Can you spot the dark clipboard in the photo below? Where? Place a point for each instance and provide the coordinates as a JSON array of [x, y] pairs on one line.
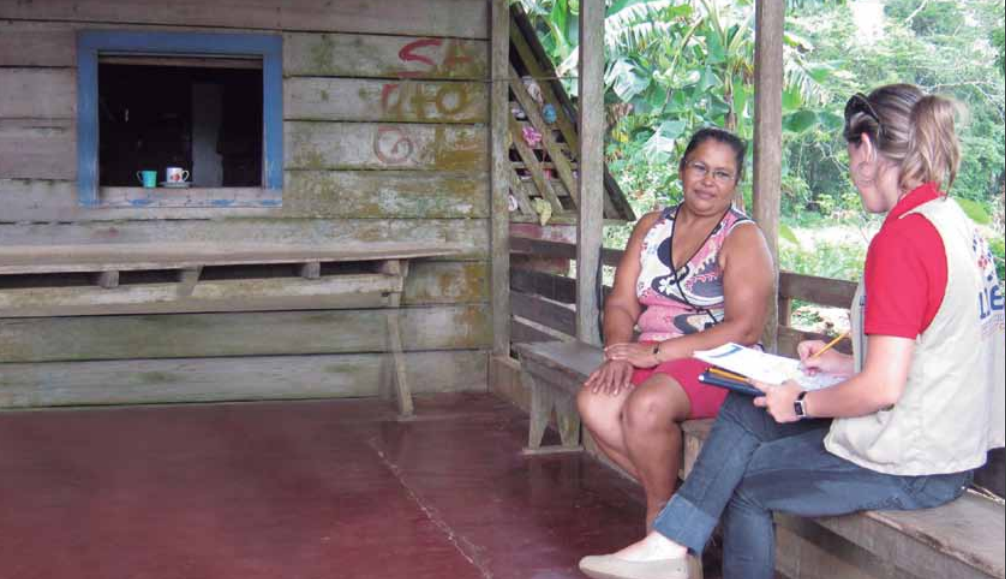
[[737, 386]]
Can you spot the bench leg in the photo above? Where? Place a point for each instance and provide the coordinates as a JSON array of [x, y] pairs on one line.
[[541, 408], [401, 389], [544, 399], [569, 420]]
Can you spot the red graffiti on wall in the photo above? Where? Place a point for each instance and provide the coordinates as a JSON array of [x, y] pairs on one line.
[[393, 144]]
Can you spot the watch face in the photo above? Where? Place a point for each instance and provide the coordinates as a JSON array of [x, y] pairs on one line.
[[798, 407]]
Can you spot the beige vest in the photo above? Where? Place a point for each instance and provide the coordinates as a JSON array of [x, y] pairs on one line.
[[953, 410]]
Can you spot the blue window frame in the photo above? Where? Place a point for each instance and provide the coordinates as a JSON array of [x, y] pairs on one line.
[[90, 44]]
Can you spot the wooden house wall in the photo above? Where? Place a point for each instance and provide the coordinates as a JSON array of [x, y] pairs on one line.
[[385, 112]]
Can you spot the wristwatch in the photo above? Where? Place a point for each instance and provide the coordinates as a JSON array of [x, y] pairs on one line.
[[800, 406]]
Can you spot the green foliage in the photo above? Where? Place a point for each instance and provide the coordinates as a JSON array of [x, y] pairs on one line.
[[678, 65], [998, 250], [824, 259], [975, 211], [999, 42]]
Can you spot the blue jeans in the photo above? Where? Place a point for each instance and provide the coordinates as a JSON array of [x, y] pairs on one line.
[[752, 466]]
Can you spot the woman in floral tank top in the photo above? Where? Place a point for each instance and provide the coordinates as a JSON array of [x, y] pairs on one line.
[[715, 292]]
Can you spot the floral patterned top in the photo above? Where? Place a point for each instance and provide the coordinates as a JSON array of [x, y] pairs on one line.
[[667, 313]]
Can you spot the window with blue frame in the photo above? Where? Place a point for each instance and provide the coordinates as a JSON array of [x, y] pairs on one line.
[[163, 111]]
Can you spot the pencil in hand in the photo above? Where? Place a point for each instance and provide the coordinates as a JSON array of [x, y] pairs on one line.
[[828, 346]]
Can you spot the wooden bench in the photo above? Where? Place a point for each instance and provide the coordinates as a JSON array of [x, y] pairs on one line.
[[962, 540], [120, 279]]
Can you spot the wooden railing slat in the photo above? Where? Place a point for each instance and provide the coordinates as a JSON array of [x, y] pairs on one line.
[[554, 287], [545, 313], [817, 290], [558, 249]]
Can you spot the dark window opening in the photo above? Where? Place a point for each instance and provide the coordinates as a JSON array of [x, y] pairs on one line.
[[206, 119]]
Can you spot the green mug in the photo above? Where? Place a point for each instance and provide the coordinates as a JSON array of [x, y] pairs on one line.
[[147, 178]]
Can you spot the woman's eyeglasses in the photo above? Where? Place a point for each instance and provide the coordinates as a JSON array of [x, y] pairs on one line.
[[700, 170], [860, 104]]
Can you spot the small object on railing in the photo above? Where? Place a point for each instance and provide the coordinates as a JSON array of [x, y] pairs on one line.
[[531, 136], [548, 113], [533, 90], [544, 211]]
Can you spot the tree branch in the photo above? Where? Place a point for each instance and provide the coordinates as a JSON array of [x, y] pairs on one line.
[[908, 21]]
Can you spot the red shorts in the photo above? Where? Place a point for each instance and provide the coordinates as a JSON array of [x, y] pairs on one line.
[[706, 400]]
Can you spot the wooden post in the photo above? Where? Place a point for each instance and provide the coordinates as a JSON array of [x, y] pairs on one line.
[[590, 225], [770, 23], [500, 234]]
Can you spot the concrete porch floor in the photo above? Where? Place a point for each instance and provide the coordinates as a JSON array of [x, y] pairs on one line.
[[301, 490]]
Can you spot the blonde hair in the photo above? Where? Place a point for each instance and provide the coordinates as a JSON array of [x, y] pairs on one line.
[[913, 129]]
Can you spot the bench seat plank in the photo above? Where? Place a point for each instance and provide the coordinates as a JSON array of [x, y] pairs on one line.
[[132, 257], [573, 360]]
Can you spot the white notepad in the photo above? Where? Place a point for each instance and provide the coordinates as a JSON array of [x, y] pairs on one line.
[[764, 367]]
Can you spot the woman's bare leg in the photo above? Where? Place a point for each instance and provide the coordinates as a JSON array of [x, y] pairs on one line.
[[653, 439], [602, 416]]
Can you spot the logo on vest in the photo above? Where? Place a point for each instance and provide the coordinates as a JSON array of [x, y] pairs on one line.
[[990, 299]]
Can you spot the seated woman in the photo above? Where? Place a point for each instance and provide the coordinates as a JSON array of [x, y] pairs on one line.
[[693, 277], [926, 363]]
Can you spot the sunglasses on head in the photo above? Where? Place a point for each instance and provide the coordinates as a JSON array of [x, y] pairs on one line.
[[860, 104]]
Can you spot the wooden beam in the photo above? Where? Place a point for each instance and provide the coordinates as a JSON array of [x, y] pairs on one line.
[[187, 280], [590, 228], [310, 270], [107, 279], [770, 24], [501, 175]]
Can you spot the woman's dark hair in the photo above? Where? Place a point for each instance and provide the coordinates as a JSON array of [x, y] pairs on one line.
[[911, 128], [721, 136]]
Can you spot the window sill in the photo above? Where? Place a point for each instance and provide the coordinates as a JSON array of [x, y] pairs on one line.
[[193, 197]]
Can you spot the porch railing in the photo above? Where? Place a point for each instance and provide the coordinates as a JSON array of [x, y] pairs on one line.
[[543, 302]]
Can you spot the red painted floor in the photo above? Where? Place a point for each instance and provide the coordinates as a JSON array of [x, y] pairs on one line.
[[299, 490]]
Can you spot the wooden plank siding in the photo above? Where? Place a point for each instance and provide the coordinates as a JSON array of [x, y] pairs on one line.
[[390, 147], [462, 327], [220, 379], [470, 235], [38, 149], [395, 57], [38, 93], [448, 18], [386, 139], [406, 101], [307, 195]]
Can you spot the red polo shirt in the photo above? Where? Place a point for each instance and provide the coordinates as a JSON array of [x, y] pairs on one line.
[[906, 271]]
